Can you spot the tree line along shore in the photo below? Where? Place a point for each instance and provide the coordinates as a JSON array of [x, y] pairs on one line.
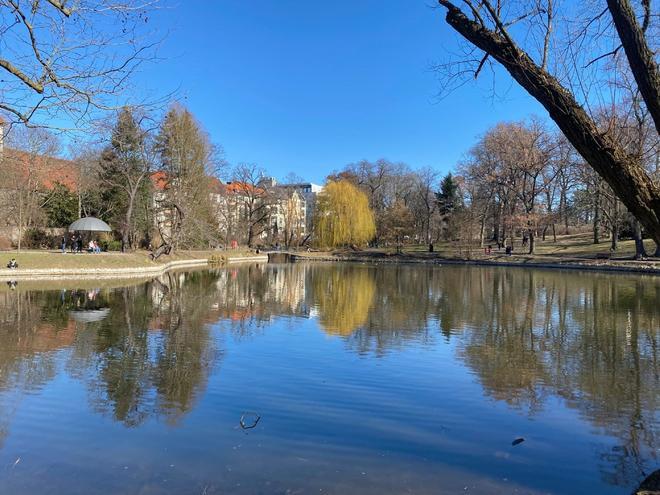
[[571, 252]]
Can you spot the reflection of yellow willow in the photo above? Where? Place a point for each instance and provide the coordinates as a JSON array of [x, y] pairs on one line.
[[343, 298]]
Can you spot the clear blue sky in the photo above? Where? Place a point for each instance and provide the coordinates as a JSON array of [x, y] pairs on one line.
[[307, 87]]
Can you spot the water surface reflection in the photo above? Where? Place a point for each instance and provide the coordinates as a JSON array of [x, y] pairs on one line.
[[370, 379]]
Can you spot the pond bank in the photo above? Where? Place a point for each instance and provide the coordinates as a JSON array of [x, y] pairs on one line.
[[629, 266], [40, 265], [44, 265]]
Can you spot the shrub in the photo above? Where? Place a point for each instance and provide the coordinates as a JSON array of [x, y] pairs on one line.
[[110, 245], [217, 259], [39, 239]]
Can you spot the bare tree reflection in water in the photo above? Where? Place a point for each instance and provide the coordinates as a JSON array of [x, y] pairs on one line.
[[529, 336], [154, 353], [185, 350], [150, 355], [595, 347]]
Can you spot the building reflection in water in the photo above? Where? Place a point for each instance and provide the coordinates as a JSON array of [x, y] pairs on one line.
[[590, 340]]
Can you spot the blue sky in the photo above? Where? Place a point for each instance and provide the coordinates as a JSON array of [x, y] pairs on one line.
[[307, 87]]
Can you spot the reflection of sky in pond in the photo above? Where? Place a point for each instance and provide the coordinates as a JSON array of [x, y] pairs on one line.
[[421, 388]]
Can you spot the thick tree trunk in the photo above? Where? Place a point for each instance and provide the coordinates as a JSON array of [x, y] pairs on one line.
[[622, 172], [563, 210], [615, 237], [126, 231], [497, 220], [250, 236], [615, 226], [532, 241], [20, 223], [640, 252], [640, 56], [597, 215]]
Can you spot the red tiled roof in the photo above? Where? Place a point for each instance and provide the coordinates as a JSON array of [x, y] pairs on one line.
[[160, 182], [242, 188], [47, 169]]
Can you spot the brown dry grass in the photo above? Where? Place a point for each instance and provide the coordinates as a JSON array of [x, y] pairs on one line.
[[34, 259]]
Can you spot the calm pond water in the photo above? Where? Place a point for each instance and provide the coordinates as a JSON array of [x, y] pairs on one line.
[[367, 380]]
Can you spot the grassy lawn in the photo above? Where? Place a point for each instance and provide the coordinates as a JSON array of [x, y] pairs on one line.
[[55, 259], [578, 246], [582, 246]]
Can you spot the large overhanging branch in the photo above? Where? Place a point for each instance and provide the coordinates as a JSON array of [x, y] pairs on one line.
[[621, 171], [640, 56]]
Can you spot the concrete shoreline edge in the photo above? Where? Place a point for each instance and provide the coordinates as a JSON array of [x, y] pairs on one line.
[[154, 271], [122, 273], [568, 265]]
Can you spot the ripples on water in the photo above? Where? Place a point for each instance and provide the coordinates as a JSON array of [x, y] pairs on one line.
[[389, 379]]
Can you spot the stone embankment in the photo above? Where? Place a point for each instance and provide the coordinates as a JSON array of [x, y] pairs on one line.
[[629, 266], [123, 272]]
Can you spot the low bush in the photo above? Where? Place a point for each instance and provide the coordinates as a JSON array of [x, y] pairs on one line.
[[39, 239], [110, 245]]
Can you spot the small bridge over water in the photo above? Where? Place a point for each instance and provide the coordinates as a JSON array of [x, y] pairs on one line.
[[279, 256]]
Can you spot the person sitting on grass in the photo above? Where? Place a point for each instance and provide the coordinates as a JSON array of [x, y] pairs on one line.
[[97, 248], [12, 265]]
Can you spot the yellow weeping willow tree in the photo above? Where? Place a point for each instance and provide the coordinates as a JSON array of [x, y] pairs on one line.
[[343, 216]]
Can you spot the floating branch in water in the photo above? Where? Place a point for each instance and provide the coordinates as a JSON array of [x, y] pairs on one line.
[[249, 420]]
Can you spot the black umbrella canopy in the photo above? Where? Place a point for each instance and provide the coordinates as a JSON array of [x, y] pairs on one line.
[[89, 224]]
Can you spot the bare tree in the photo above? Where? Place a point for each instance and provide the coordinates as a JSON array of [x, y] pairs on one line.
[[490, 29], [24, 170], [253, 199], [290, 206], [65, 60], [188, 163], [424, 201], [86, 159]]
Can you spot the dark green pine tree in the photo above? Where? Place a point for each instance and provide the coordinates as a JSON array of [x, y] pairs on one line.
[[61, 206], [124, 181], [449, 197]]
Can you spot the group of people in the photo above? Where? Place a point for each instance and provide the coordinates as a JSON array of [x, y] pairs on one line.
[[75, 244], [93, 247]]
